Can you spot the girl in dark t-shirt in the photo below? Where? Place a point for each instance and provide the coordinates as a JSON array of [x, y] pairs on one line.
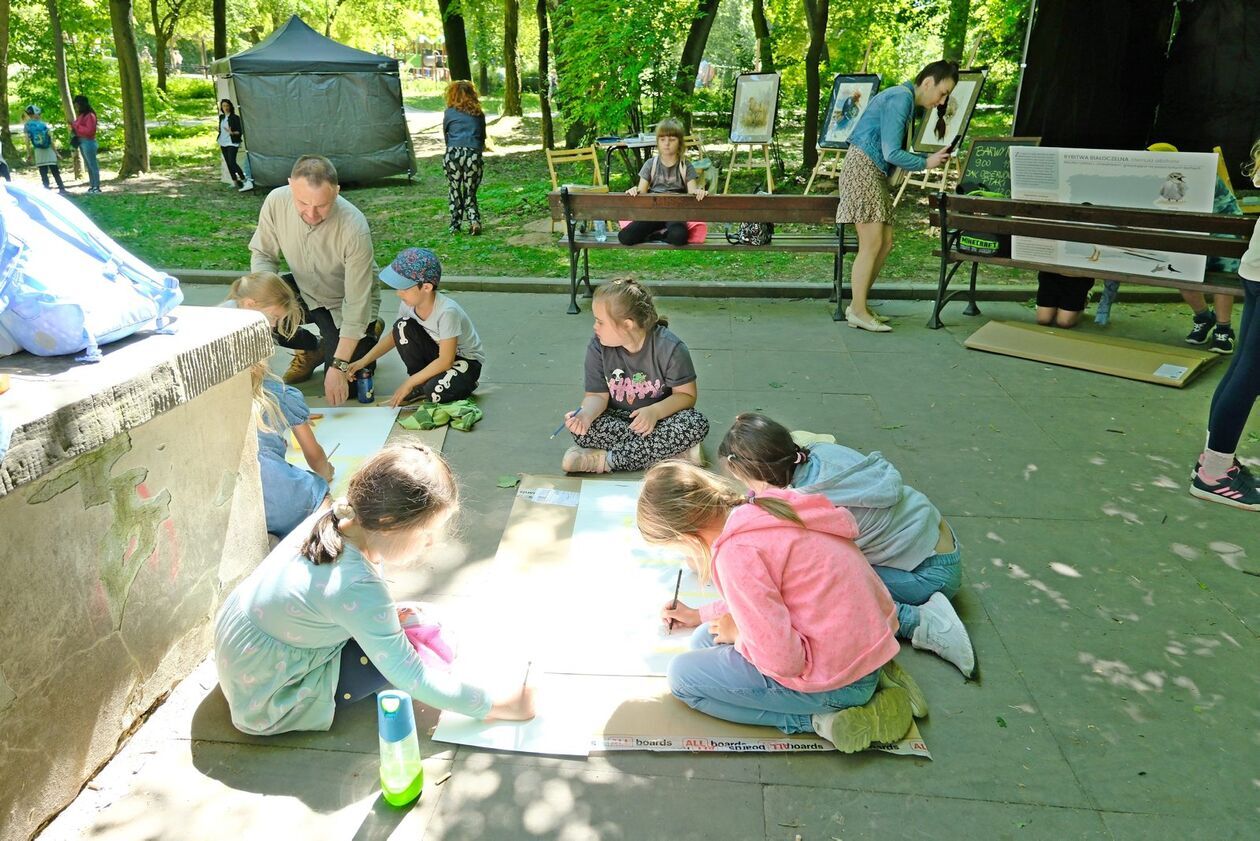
[[640, 389], [668, 171]]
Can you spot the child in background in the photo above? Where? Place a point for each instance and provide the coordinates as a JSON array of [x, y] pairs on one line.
[[315, 629], [803, 638], [913, 551], [464, 129], [290, 494], [267, 293], [434, 336], [43, 152], [668, 171], [1220, 477], [640, 388]]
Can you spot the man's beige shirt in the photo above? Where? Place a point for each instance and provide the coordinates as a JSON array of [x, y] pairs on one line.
[[332, 262]]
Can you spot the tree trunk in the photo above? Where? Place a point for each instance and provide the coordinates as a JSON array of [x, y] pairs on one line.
[[219, 12], [956, 29], [544, 75], [456, 42], [816, 17], [135, 139], [693, 51], [63, 81], [159, 60], [511, 72], [762, 30], [7, 149]]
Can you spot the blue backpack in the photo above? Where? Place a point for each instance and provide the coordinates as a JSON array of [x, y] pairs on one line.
[[66, 287], [37, 130]]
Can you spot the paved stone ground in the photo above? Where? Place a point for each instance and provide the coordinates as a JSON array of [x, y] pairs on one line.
[[1113, 614]]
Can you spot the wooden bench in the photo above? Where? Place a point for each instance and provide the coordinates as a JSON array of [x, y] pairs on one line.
[[573, 208], [1210, 234]]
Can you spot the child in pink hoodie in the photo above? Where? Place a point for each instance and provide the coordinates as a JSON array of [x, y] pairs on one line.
[[805, 634]]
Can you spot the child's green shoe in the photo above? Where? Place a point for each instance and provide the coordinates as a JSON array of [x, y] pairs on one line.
[[893, 675], [883, 719]]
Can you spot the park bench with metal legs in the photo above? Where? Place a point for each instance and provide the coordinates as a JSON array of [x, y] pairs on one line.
[[1213, 235], [575, 208]]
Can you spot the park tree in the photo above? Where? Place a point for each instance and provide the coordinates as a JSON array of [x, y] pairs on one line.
[[165, 16], [135, 135], [511, 70], [7, 149], [59, 63], [816, 17], [692, 53], [456, 39], [219, 14], [761, 28], [544, 75], [955, 38]]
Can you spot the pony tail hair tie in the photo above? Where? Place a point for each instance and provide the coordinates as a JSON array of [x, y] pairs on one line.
[[342, 510], [751, 496], [801, 456]]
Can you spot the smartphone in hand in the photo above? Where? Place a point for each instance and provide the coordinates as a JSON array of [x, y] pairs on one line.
[[953, 144]]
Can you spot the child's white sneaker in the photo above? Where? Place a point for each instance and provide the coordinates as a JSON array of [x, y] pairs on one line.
[[585, 460], [883, 719], [943, 633], [247, 186]]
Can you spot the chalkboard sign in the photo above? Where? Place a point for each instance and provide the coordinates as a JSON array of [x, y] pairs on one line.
[[988, 164]]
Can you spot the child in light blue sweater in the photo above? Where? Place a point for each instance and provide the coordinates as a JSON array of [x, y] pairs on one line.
[[314, 627], [913, 551]]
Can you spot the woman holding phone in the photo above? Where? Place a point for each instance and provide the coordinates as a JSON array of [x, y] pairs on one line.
[[877, 147]]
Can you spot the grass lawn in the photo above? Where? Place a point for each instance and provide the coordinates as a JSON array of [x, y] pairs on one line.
[[182, 216]]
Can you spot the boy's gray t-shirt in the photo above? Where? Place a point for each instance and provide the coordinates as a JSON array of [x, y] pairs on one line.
[[449, 321], [666, 179], [635, 380]]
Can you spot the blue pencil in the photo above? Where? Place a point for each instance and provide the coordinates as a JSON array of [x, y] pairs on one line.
[[560, 428]]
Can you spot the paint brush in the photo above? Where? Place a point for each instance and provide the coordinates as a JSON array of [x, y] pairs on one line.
[[333, 451], [674, 603], [560, 428]]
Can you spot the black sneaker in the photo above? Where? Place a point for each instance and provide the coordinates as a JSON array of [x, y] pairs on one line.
[[1233, 490], [1222, 339], [1242, 469], [1201, 330]]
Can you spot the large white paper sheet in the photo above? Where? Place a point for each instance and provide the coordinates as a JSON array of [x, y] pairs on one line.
[[1176, 181], [355, 432]]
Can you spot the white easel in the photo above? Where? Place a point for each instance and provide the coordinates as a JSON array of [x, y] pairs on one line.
[[764, 163]]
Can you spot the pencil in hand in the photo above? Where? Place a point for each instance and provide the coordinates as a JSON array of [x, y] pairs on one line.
[[560, 428], [674, 603]]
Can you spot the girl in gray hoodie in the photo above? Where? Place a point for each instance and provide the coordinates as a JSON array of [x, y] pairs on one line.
[[913, 551]]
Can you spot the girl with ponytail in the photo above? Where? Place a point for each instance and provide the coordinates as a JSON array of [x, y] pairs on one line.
[[902, 534], [803, 636], [314, 627]]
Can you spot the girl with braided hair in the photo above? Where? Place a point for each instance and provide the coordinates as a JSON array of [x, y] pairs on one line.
[[803, 636], [912, 549], [314, 627]]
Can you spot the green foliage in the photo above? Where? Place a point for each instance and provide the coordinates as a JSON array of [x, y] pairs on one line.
[[617, 70]]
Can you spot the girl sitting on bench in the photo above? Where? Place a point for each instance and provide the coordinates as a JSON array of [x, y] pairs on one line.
[[668, 171]]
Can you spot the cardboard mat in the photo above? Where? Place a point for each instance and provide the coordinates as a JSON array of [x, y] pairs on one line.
[[1131, 359], [597, 650]]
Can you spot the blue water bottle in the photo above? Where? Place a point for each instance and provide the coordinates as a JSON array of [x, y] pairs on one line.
[[364, 388], [402, 775]]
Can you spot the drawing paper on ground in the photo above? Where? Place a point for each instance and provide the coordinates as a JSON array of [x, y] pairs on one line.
[[356, 432], [582, 593]]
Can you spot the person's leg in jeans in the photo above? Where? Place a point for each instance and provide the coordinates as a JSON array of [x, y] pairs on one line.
[[717, 680], [358, 677], [910, 588], [88, 149]]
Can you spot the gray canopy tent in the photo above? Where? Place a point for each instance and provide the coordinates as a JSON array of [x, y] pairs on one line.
[[300, 93]]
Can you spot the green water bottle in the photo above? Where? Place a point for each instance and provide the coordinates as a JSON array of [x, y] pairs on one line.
[[402, 775]]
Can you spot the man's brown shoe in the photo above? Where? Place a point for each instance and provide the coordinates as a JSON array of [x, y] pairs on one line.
[[303, 365]]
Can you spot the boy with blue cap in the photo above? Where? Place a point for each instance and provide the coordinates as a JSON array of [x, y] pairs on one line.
[[435, 337]]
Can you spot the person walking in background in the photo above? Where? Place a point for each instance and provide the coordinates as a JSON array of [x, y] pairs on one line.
[[43, 152], [230, 133], [877, 147], [83, 137], [464, 127]]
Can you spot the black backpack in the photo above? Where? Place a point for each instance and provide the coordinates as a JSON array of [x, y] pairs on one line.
[[751, 233]]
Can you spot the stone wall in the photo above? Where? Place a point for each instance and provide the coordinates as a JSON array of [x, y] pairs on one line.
[[130, 505]]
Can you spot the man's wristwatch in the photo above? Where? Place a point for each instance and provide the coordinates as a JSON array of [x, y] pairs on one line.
[[342, 365]]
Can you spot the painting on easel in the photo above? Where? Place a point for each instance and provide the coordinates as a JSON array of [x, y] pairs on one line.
[[939, 128], [756, 106], [850, 96]]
